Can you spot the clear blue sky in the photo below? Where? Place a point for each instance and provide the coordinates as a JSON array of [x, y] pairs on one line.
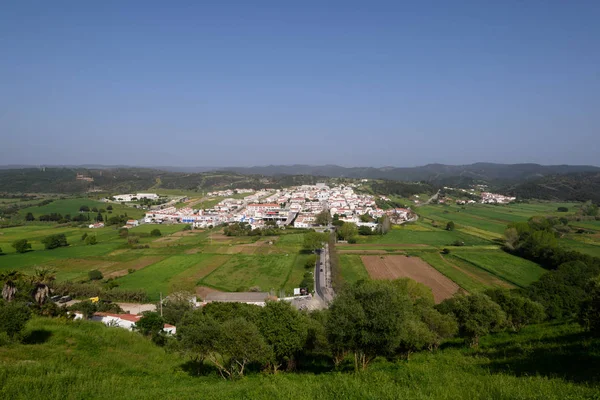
[[246, 83]]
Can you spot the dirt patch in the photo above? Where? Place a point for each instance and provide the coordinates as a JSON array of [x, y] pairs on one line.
[[203, 291], [382, 245], [393, 267], [194, 250], [117, 252], [363, 252], [136, 265], [187, 233]]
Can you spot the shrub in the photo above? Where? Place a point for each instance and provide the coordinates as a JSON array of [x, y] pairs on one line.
[[85, 235], [55, 241], [450, 226], [445, 251], [458, 243], [562, 209], [91, 240], [95, 275], [21, 245], [520, 311], [155, 232], [13, 318], [187, 228]]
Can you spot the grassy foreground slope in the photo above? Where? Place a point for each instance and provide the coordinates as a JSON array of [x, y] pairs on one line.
[[67, 360]]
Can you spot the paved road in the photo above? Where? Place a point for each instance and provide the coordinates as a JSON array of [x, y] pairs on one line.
[[323, 288]]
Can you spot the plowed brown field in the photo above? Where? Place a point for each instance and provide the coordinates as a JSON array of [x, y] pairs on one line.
[[393, 267]]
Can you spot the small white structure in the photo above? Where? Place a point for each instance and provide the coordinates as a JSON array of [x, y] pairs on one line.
[[126, 321], [133, 222], [96, 225]]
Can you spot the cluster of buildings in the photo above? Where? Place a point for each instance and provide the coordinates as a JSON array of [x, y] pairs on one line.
[[493, 198], [296, 206], [138, 196]]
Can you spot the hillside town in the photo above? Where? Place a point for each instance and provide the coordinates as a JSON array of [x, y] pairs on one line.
[[296, 206]]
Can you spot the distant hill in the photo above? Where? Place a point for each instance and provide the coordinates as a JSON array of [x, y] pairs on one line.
[[568, 187], [430, 172]]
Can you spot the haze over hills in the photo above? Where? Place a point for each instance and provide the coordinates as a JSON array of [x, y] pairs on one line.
[[430, 172]]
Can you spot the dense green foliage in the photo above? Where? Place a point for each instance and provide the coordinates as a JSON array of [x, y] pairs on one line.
[[55, 241], [13, 318]]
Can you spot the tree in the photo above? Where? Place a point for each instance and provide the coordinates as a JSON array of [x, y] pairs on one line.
[[94, 209], [84, 208], [347, 231], [365, 230], [1, 253], [323, 218], [13, 318], [91, 240], [85, 235], [29, 217], [367, 319], [155, 232], [86, 307], [55, 241], [520, 311], [450, 226], [99, 218], [476, 314], [151, 324], [284, 330], [9, 289], [41, 279], [562, 209], [241, 343], [198, 335], [589, 209], [589, 311], [110, 207], [95, 275], [384, 224], [21, 245], [313, 241]]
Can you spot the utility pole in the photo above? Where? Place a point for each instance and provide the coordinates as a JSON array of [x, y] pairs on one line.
[[161, 313]]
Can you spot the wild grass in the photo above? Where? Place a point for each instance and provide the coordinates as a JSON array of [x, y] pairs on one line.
[[352, 268], [85, 360]]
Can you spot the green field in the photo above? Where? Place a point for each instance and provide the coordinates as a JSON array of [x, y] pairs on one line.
[[71, 206], [434, 237], [352, 268], [515, 270], [86, 360]]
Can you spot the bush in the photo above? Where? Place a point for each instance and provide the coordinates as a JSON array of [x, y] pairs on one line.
[[55, 241], [85, 235], [562, 209], [450, 226], [13, 318], [95, 275], [187, 228], [21, 245], [458, 243], [445, 251], [91, 240], [155, 232], [352, 240]]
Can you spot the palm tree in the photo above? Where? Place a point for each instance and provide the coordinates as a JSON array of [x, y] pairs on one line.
[[41, 279], [9, 290]]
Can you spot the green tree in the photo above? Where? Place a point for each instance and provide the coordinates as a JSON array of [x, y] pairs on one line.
[[84, 208], [85, 235], [54, 241], [21, 245], [198, 335], [385, 224], [99, 218], [284, 329], [347, 231], [365, 230], [450, 226], [9, 280], [41, 279], [520, 311], [323, 218], [241, 344], [109, 208], [367, 319], [589, 209], [476, 314], [29, 217], [91, 240], [589, 311], [313, 241], [13, 318], [155, 232], [95, 275], [87, 308], [151, 324]]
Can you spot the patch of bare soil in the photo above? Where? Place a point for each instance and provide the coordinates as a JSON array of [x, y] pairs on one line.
[[397, 266]]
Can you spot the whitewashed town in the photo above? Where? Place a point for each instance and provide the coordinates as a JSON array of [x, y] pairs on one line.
[[296, 206]]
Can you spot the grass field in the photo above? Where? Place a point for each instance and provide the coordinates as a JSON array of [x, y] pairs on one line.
[[515, 270], [434, 237], [352, 268], [86, 360], [71, 206]]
